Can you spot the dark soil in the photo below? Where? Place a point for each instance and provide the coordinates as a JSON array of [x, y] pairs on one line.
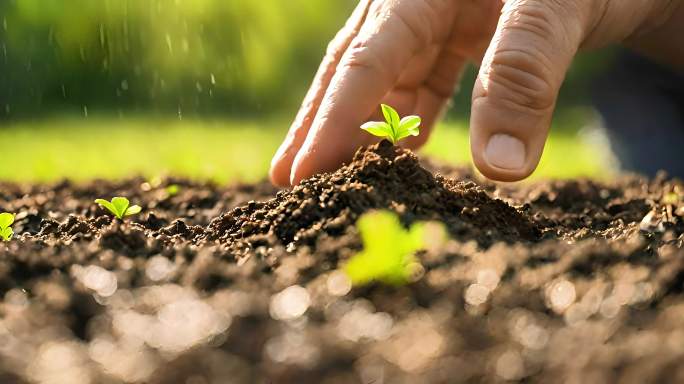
[[571, 281]]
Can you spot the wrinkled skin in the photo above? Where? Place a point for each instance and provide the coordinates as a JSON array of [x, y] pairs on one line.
[[410, 54]]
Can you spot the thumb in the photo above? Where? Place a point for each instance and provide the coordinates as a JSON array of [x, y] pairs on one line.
[[517, 87]]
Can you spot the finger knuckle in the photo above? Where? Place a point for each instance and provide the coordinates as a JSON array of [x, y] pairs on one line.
[[417, 16], [360, 56], [544, 18], [517, 76], [523, 75], [336, 47]]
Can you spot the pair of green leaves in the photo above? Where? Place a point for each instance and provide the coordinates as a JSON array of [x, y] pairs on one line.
[[119, 207], [6, 220], [388, 250], [393, 128]]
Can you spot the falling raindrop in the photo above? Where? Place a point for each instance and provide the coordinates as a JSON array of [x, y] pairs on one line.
[[213, 79], [85, 111], [102, 36], [169, 45], [124, 85]]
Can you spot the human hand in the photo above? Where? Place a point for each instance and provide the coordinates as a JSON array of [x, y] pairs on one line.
[[410, 54]]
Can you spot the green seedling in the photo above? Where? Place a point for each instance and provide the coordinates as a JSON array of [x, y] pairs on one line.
[[172, 190], [393, 129], [119, 207], [6, 221], [388, 250]]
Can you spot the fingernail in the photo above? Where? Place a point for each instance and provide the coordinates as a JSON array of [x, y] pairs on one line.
[[505, 151]]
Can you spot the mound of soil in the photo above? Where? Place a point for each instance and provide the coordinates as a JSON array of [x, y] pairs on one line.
[[576, 281], [380, 177]]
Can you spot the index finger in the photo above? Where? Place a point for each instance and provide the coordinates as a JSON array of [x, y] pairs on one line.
[[393, 33], [284, 157]]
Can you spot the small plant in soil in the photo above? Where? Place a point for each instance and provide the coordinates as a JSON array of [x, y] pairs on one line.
[[388, 250], [393, 128], [172, 190], [6, 221], [119, 207]]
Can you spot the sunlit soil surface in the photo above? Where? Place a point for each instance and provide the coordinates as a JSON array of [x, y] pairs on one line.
[[573, 281]]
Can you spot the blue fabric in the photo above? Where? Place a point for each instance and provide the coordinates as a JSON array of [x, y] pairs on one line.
[[642, 105]]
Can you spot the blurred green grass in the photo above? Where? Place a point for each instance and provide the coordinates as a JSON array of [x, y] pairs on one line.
[[222, 150]]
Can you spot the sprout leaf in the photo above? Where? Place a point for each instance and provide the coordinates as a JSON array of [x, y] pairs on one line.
[[133, 210], [393, 129], [388, 253], [119, 207], [6, 219], [6, 233]]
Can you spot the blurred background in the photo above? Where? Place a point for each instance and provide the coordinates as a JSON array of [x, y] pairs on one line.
[[201, 88]]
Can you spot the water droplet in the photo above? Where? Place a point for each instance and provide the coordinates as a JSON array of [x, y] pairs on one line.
[[124, 85], [169, 45], [213, 79], [102, 36]]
